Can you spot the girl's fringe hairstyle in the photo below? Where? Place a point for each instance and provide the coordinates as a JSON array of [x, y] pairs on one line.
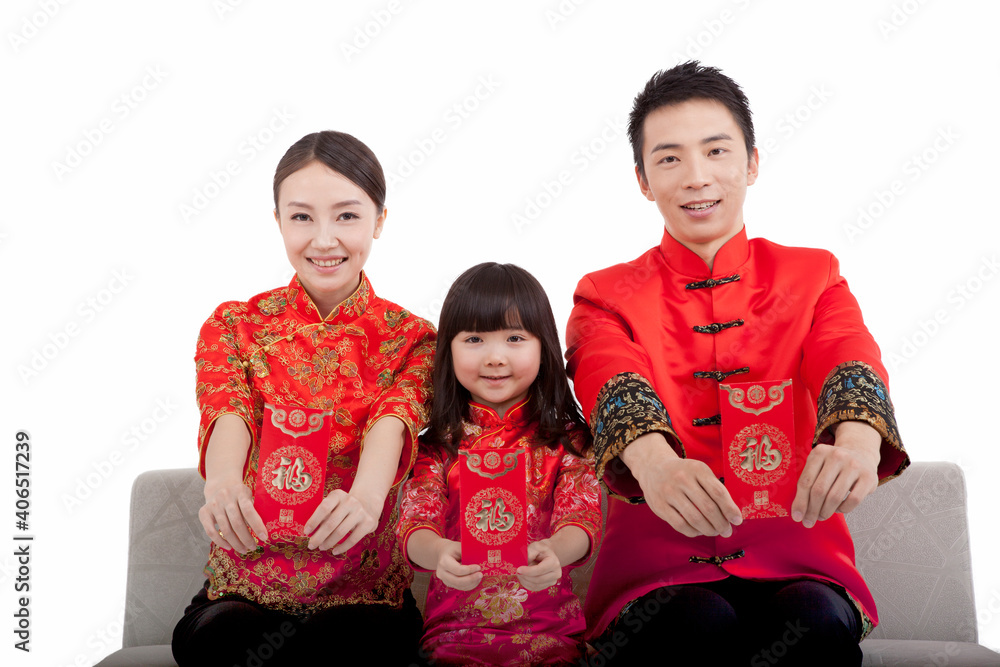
[[490, 297]]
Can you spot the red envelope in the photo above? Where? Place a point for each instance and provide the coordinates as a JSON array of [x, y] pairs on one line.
[[291, 471], [493, 495], [758, 436]]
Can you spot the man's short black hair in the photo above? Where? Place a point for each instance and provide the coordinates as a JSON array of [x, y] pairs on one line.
[[688, 81]]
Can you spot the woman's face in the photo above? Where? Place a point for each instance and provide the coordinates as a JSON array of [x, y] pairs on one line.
[[328, 224]]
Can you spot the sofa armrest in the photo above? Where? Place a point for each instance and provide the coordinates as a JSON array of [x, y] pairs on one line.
[[911, 540]]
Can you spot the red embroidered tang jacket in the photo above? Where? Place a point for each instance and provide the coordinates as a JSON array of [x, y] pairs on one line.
[[499, 622], [648, 343], [367, 360]]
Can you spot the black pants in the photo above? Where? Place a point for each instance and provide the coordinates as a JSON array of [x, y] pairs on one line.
[[735, 622], [235, 632]]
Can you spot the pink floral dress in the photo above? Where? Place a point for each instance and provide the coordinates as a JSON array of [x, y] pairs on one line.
[[499, 622]]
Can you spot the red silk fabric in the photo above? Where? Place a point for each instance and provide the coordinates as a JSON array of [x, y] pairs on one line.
[[800, 322], [367, 360], [499, 622]]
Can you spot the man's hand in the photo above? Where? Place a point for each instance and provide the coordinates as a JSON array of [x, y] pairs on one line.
[[683, 492], [836, 478]]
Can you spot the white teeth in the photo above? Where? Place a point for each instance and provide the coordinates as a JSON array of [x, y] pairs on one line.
[[701, 207], [328, 263]]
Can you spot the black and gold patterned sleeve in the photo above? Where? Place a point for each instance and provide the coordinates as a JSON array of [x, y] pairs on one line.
[[853, 391], [626, 408]]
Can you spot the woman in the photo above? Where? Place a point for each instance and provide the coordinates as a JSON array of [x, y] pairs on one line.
[[324, 342]]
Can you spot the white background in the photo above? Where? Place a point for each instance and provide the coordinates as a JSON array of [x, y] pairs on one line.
[[107, 280]]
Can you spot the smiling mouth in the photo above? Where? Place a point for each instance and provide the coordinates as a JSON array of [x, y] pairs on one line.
[[328, 262], [702, 206]]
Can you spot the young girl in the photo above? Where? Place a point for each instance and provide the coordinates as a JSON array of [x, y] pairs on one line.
[[325, 341], [499, 383]]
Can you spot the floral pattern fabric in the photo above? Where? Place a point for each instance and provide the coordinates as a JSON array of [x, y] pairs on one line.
[[627, 408], [853, 391], [499, 622], [367, 360]]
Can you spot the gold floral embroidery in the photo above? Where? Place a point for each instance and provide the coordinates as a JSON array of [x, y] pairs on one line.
[[854, 391], [315, 364], [394, 317], [319, 372], [500, 600], [391, 348], [273, 305], [384, 379], [260, 366], [338, 442], [333, 481], [303, 584], [542, 643], [343, 417]]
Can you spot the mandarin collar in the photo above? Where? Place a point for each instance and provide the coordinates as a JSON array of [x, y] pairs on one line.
[[348, 309], [487, 418], [685, 261]]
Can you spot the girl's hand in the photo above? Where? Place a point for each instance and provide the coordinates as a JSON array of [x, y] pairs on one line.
[[428, 550], [342, 516], [228, 516], [450, 569], [544, 569]]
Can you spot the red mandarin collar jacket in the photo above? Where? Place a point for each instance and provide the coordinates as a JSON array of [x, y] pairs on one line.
[[648, 343], [367, 360], [499, 622]]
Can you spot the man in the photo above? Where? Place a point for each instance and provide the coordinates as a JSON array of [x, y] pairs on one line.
[[681, 574]]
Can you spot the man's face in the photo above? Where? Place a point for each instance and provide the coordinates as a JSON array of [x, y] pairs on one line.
[[697, 172]]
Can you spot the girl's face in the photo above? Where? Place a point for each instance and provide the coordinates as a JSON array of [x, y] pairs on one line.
[[497, 367], [328, 224]]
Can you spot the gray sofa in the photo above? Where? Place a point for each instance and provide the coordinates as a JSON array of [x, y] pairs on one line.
[[911, 536]]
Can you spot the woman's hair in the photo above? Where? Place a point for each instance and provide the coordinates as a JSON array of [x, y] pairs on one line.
[[491, 297], [338, 151]]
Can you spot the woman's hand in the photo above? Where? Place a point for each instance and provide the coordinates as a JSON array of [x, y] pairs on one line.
[[228, 516], [342, 516], [349, 516], [544, 568]]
